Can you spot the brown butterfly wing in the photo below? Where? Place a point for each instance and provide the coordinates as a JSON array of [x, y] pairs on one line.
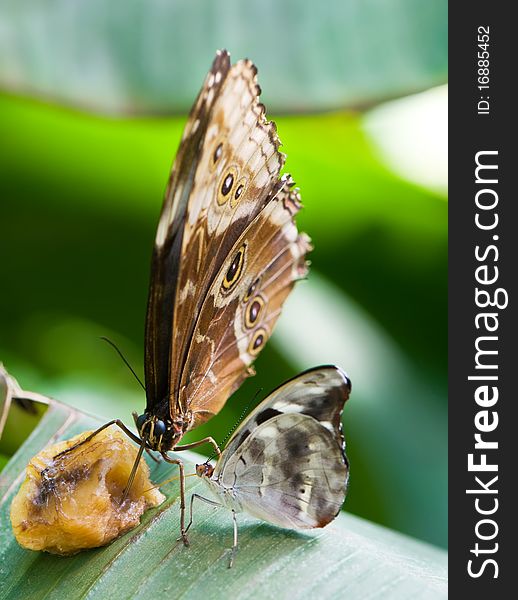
[[243, 305], [165, 265], [240, 153], [226, 172]]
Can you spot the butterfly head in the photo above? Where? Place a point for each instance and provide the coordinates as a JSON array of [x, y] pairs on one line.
[[159, 434], [204, 470]]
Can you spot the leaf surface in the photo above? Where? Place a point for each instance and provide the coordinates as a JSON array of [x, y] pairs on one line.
[[350, 557], [152, 56]]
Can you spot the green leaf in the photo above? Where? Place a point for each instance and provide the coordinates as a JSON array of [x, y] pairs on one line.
[[150, 55], [350, 556]]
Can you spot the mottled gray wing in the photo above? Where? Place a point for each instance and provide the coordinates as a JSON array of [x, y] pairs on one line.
[[320, 392], [286, 464]]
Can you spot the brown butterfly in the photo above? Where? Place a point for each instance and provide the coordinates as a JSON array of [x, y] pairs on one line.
[[227, 253]]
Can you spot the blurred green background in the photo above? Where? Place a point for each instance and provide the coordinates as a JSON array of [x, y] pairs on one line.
[[93, 105]]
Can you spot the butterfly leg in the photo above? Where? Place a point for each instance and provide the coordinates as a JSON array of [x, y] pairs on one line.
[[206, 500], [206, 440], [183, 530], [117, 422], [234, 545]]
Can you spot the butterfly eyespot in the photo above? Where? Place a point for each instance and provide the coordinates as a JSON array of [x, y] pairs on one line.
[[251, 290], [253, 311], [217, 153], [226, 185], [238, 194], [228, 182], [218, 150], [235, 269], [257, 342]]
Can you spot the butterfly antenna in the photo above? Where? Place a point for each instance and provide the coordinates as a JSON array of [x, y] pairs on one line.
[[112, 344], [236, 423]]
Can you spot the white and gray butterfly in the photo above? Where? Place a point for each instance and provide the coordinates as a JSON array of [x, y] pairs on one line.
[[286, 463]]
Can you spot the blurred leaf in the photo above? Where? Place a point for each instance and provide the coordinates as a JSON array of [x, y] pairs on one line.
[[6, 397], [350, 554], [151, 55], [20, 412], [398, 130]]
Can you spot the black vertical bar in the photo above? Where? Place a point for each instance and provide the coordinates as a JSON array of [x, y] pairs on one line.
[[482, 123]]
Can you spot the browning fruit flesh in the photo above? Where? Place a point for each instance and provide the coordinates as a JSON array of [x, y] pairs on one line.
[[73, 502]]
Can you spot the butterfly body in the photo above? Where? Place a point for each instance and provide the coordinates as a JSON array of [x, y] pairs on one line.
[[160, 433], [286, 463]]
